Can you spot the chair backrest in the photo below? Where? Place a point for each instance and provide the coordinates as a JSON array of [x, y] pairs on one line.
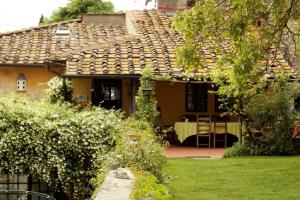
[[204, 118], [203, 124], [220, 123]]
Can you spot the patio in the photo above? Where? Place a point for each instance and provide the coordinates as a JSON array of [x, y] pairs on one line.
[[193, 152]]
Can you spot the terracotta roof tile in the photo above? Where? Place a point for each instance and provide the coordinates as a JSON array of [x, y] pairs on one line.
[[106, 49]]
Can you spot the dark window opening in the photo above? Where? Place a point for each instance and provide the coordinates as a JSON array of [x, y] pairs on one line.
[[196, 97], [23, 183], [107, 93]]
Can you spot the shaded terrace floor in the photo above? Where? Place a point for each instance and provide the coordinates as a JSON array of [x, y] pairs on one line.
[[180, 152]]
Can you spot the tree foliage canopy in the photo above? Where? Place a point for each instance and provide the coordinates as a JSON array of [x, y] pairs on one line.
[[76, 7], [245, 35]]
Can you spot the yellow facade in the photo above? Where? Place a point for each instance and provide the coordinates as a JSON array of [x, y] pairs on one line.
[[170, 96], [36, 80]]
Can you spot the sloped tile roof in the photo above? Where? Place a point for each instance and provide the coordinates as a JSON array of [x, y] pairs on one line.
[[108, 50], [154, 45], [35, 45]]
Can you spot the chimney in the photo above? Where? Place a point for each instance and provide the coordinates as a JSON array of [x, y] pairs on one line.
[[115, 19], [170, 6], [104, 19]]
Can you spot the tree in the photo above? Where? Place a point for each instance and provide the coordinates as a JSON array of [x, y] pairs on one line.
[[246, 37], [76, 7], [42, 18]]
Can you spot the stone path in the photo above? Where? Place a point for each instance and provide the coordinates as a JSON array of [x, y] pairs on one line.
[[117, 185]]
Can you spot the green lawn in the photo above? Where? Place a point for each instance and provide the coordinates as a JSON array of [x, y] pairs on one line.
[[252, 178]]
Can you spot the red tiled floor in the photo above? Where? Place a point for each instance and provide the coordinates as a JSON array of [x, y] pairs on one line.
[[180, 152]]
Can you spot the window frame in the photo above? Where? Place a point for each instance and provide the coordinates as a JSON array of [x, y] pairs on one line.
[[197, 89], [14, 179], [102, 90]]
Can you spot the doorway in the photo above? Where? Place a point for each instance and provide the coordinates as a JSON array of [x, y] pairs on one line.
[[107, 93]]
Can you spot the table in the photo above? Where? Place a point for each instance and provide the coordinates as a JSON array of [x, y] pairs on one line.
[[186, 129]]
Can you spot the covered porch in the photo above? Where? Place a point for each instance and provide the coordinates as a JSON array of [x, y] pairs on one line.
[[192, 110]]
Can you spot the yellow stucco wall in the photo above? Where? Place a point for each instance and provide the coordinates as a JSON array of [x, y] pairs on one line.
[[82, 87], [36, 80], [170, 96]]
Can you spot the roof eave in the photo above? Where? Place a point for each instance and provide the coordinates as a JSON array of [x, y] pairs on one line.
[[110, 76]]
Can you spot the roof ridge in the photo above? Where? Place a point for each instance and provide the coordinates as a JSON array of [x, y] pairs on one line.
[[116, 13], [40, 27], [66, 21]]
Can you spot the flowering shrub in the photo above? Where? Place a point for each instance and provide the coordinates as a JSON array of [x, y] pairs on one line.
[[56, 143], [57, 92]]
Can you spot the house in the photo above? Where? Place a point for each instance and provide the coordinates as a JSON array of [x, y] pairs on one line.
[[104, 55]]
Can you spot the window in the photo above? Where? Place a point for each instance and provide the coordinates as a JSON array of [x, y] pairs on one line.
[[22, 183], [196, 97], [111, 93], [107, 93], [21, 83], [63, 30]]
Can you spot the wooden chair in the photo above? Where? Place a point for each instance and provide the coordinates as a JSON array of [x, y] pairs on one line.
[[220, 127], [203, 130]]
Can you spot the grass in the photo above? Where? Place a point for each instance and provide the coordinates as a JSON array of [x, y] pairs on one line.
[[257, 178]]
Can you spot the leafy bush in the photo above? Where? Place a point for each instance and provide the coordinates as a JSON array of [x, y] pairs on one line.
[[58, 92], [237, 150], [272, 114], [56, 143], [138, 147], [147, 187]]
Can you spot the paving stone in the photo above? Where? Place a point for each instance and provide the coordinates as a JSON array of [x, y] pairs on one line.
[[117, 185]]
